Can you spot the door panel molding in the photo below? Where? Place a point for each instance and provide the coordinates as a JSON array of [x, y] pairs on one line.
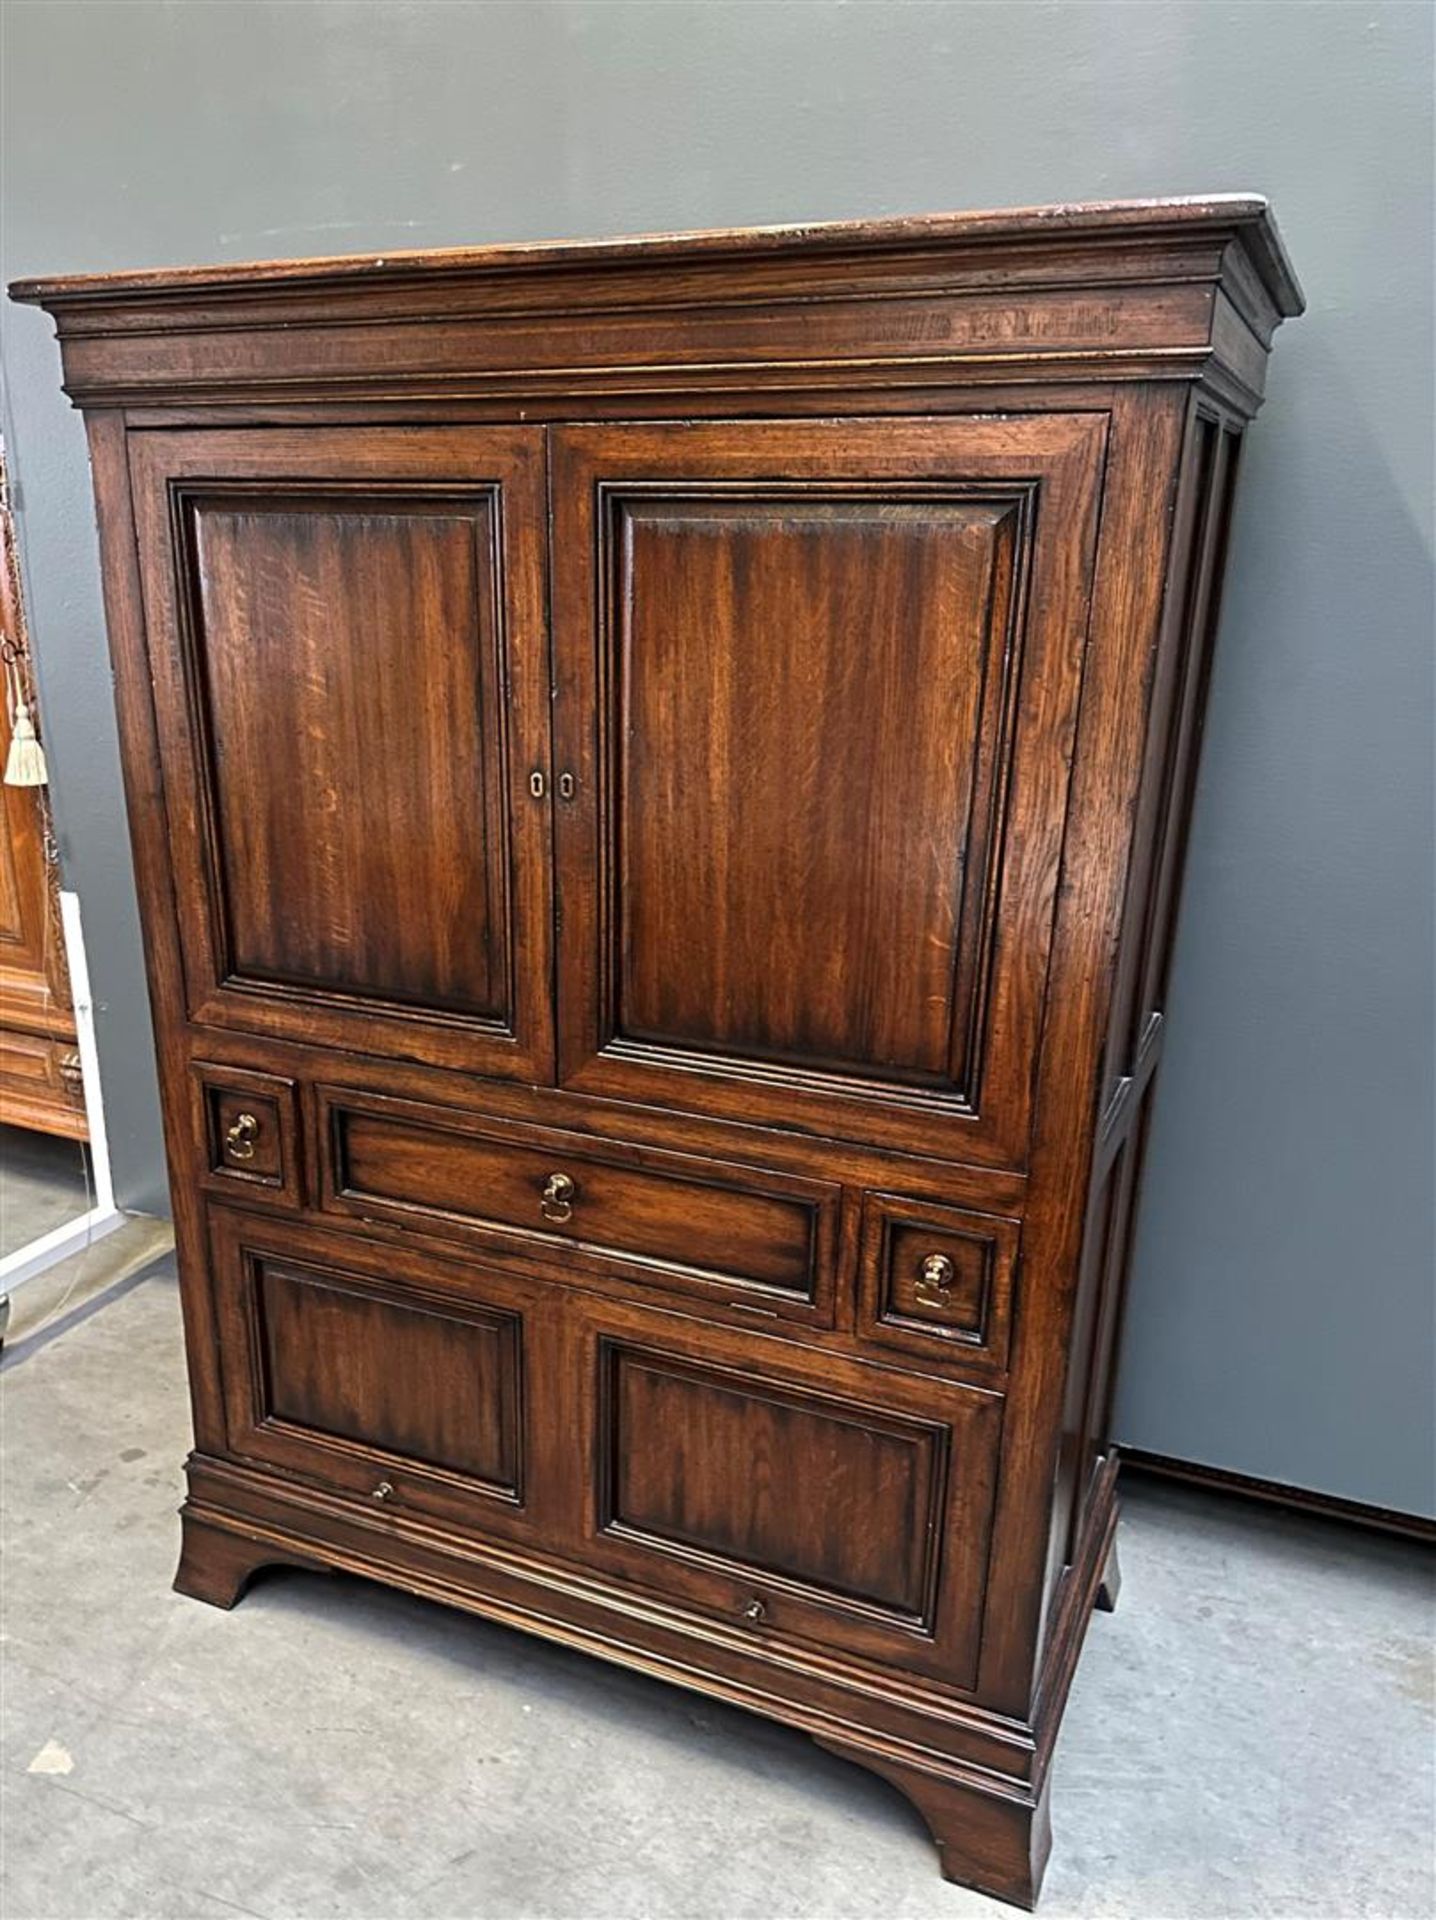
[[716, 953], [414, 917]]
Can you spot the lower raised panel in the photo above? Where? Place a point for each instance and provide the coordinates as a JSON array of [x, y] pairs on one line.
[[372, 1372], [831, 1505], [828, 1499], [426, 1384]]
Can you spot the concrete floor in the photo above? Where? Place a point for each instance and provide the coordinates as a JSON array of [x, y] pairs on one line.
[[43, 1183], [1250, 1733]]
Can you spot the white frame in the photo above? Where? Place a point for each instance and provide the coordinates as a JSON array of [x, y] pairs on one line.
[[73, 1236]]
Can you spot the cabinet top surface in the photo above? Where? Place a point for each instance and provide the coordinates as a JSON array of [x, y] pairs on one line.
[[963, 238]]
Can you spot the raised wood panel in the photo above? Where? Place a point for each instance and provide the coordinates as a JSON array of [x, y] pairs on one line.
[[808, 1500], [1173, 745], [349, 677], [1178, 786], [247, 1127], [937, 1282], [47, 1095], [774, 1481], [1105, 1256], [800, 683], [397, 1379], [808, 868], [433, 1387], [41, 1086], [28, 1061], [351, 693]]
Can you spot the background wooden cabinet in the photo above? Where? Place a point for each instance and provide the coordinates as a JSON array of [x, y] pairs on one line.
[[40, 1080], [673, 767]]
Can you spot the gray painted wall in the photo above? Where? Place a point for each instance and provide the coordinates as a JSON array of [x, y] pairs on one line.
[[1281, 1321]]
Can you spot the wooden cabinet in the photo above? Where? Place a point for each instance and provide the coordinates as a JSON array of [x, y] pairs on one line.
[[41, 1086], [658, 774]]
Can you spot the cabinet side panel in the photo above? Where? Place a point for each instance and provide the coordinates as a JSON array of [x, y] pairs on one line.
[[149, 840], [1136, 1025], [1147, 435]]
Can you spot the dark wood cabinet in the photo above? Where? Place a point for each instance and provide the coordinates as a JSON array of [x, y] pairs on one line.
[[659, 773]]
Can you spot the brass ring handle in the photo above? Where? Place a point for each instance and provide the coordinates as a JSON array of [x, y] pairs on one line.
[[240, 1138], [934, 1286], [557, 1198]]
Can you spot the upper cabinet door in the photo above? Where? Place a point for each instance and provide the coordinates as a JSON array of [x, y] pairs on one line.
[[348, 648], [817, 685]]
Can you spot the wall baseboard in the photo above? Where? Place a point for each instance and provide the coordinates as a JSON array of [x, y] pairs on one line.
[[1326, 1506]]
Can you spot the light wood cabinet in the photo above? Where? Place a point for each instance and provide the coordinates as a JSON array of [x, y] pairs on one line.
[[41, 1086]]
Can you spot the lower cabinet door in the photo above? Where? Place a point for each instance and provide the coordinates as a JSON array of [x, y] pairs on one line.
[[805, 1499], [832, 1509], [375, 1372]]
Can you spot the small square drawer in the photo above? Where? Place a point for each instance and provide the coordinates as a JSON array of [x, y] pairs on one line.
[[931, 1276], [248, 1124]]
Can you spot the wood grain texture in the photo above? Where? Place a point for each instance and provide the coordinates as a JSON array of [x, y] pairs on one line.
[[763, 909], [808, 824], [816, 1506], [963, 1316], [392, 1377], [40, 1082], [249, 1123], [1096, 220], [358, 721], [664, 1219], [346, 665], [1141, 290], [712, 1463], [770, 829]]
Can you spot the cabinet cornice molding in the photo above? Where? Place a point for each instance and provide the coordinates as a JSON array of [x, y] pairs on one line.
[[1175, 289]]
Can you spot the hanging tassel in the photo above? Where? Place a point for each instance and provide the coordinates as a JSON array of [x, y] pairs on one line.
[[25, 763]]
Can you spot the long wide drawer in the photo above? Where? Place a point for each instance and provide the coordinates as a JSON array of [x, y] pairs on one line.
[[759, 1241]]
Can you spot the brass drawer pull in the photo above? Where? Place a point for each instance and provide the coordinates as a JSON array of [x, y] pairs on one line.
[[934, 1287], [556, 1200], [240, 1138], [755, 1612], [384, 1490]]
